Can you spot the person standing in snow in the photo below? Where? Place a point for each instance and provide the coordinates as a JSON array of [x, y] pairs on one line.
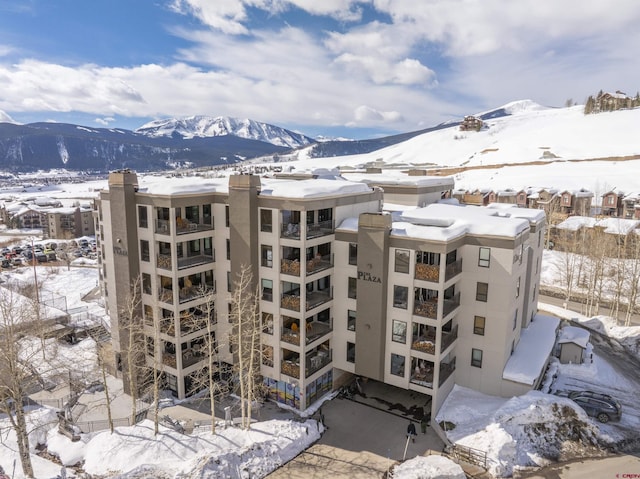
[[411, 431]]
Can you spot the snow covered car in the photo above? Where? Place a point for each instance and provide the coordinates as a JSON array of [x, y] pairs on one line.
[[601, 406]]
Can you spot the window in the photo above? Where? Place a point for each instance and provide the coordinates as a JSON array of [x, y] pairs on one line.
[[144, 250], [482, 290], [226, 215], [351, 320], [476, 358], [146, 283], [351, 352], [267, 290], [267, 256], [266, 220], [402, 261], [143, 221], [267, 323], [397, 365], [484, 257], [229, 281], [399, 331], [353, 253], [478, 325], [228, 249], [515, 319], [351, 292], [267, 355], [539, 237], [518, 288], [400, 296]]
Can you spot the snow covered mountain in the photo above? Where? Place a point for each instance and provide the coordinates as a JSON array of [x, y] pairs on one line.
[[5, 118], [206, 126]]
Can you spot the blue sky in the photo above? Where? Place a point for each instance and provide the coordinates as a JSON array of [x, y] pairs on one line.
[[357, 69]]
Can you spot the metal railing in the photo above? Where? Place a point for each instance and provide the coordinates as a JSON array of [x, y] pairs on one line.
[[448, 338], [318, 361], [449, 304], [453, 269], [321, 228]]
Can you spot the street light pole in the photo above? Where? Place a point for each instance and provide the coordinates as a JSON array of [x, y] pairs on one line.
[[35, 274]]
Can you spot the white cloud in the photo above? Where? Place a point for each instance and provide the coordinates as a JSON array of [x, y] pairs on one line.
[[105, 121]]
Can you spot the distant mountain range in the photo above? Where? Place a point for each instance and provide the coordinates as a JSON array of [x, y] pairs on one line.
[[167, 144]]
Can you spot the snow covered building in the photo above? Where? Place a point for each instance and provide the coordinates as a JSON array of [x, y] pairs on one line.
[[420, 299]]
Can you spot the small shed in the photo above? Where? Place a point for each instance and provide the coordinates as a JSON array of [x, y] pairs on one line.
[[572, 344]]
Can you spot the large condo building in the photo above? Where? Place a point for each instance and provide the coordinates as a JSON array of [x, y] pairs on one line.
[[422, 298]]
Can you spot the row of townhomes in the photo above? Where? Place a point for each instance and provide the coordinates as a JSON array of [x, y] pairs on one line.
[[49, 215], [370, 276]]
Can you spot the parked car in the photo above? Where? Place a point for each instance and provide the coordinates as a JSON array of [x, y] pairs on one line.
[[601, 406], [51, 255], [6, 263], [41, 257]]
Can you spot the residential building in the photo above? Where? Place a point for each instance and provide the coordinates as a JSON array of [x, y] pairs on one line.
[[576, 202], [71, 222], [420, 299], [612, 203]]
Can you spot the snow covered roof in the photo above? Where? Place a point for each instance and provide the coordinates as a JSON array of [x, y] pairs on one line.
[[313, 188], [618, 226], [573, 334], [574, 223], [399, 178], [532, 352], [169, 186]]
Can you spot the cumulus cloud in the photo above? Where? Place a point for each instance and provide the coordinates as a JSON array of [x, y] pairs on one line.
[[105, 121]]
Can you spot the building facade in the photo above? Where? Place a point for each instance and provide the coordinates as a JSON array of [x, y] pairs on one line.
[[421, 299]]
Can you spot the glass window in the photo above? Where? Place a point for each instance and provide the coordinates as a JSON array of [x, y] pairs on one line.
[[267, 323], [353, 253], [518, 288], [484, 257], [482, 290], [226, 215], [478, 325], [146, 283], [267, 256], [351, 352], [515, 319], [476, 358], [143, 221], [267, 290], [351, 320], [352, 288], [399, 331], [397, 365], [402, 261], [266, 220], [144, 250], [400, 296], [228, 249]]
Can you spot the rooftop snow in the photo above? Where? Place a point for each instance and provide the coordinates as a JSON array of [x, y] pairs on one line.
[[573, 334], [574, 223], [618, 226], [532, 352], [400, 178], [313, 188], [182, 186]]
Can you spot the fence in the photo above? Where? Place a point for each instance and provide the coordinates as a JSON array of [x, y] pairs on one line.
[[468, 454], [101, 425]]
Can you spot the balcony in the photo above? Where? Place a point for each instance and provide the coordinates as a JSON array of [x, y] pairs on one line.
[[428, 272], [448, 338], [189, 293], [163, 261], [290, 301], [450, 304], [290, 230], [316, 298], [426, 309], [424, 344], [453, 269], [316, 360], [317, 329], [422, 374], [291, 368], [290, 266], [169, 360], [165, 295], [446, 370], [162, 227], [319, 263], [291, 336], [196, 260], [321, 228], [192, 356], [188, 225]]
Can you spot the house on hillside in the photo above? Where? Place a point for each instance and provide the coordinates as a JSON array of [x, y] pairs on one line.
[[507, 196], [478, 197], [616, 235], [521, 199], [631, 206], [612, 203], [471, 123]]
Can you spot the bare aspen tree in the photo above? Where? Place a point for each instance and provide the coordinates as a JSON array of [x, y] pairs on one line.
[[16, 317], [633, 278], [245, 307]]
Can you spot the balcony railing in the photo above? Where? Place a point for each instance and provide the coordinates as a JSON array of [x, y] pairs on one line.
[[290, 230], [422, 377], [424, 344], [290, 368], [165, 295], [317, 329], [446, 370], [167, 326], [197, 260], [190, 293], [162, 227], [448, 338], [319, 263], [163, 261], [321, 228], [192, 356], [290, 301], [290, 266], [428, 272], [453, 269], [290, 336], [450, 304], [427, 309], [316, 298], [316, 361], [169, 360]]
